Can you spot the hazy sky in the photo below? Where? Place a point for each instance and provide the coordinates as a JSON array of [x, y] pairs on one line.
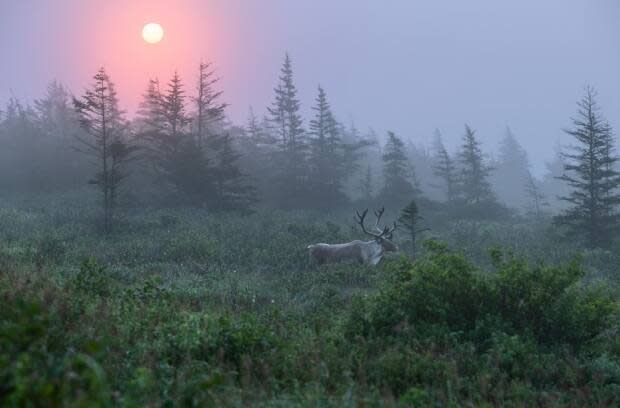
[[406, 65]]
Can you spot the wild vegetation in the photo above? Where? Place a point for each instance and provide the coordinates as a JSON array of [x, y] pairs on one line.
[[183, 278], [224, 310]]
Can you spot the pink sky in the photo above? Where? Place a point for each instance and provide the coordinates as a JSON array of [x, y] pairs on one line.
[[404, 65]]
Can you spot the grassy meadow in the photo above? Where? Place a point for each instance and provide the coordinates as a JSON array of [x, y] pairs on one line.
[[198, 308]]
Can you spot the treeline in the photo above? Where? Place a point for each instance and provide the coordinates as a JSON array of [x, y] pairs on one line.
[[180, 150]]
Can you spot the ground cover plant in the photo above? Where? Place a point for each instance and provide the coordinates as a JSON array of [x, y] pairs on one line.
[[191, 308]]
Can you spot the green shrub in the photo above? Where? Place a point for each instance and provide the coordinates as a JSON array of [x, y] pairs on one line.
[[92, 278], [415, 397], [445, 289], [35, 371], [219, 310]]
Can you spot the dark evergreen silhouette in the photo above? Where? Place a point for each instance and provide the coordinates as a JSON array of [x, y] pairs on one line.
[[326, 158], [290, 158], [177, 156], [411, 221], [58, 124], [105, 141], [233, 189], [474, 172], [209, 109], [445, 169], [25, 159], [400, 184], [510, 175], [592, 216]]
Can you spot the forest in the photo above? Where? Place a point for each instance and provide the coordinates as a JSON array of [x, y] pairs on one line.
[[161, 259]]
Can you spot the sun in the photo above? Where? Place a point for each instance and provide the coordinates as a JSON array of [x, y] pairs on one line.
[[152, 33]]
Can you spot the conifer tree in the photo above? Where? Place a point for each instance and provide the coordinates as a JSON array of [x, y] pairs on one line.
[[233, 190], [510, 175], [209, 110], [253, 128], [57, 123], [326, 155], [164, 120], [291, 157], [398, 173], [150, 111], [445, 169], [105, 140], [24, 149], [178, 158], [174, 113], [590, 172], [55, 115], [474, 172], [411, 221]]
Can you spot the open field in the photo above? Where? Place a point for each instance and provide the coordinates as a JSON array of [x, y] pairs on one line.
[[193, 308]]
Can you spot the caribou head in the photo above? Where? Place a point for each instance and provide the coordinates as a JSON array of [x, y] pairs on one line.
[[363, 252]]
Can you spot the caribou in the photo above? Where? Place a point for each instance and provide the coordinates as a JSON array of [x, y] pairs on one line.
[[363, 252]]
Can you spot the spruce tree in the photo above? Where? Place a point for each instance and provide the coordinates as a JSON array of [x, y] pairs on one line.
[[399, 178], [233, 190], [474, 173], [590, 173], [326, 156], [150, 111], [164, 121], [105, 128], [411, 221], [57, 122], [24, 151], [253, 128], [56, 117], [209, 110], [176, 155], [174, 112], [445, 169], [511, 172], [291, 155]]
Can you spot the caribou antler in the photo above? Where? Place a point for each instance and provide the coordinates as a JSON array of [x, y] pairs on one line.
[[379, 214], [360, 220], [386, 232]]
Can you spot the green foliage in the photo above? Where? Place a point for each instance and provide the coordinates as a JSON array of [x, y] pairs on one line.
[[37, 371], [445, 289], [220, 310], [474, 185], [589, 171], [92, 278], [411, 221], [400, 181], [517, 323]]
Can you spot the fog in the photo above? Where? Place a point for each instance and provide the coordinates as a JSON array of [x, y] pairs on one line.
[[407, 66], [302, 203]]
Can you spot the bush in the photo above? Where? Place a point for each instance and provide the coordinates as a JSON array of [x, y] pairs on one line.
[[35, 371], [204, 309], [445, 289], [92, 279]]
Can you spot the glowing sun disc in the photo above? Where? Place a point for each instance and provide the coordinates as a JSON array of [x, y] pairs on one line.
[[152, 33]]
